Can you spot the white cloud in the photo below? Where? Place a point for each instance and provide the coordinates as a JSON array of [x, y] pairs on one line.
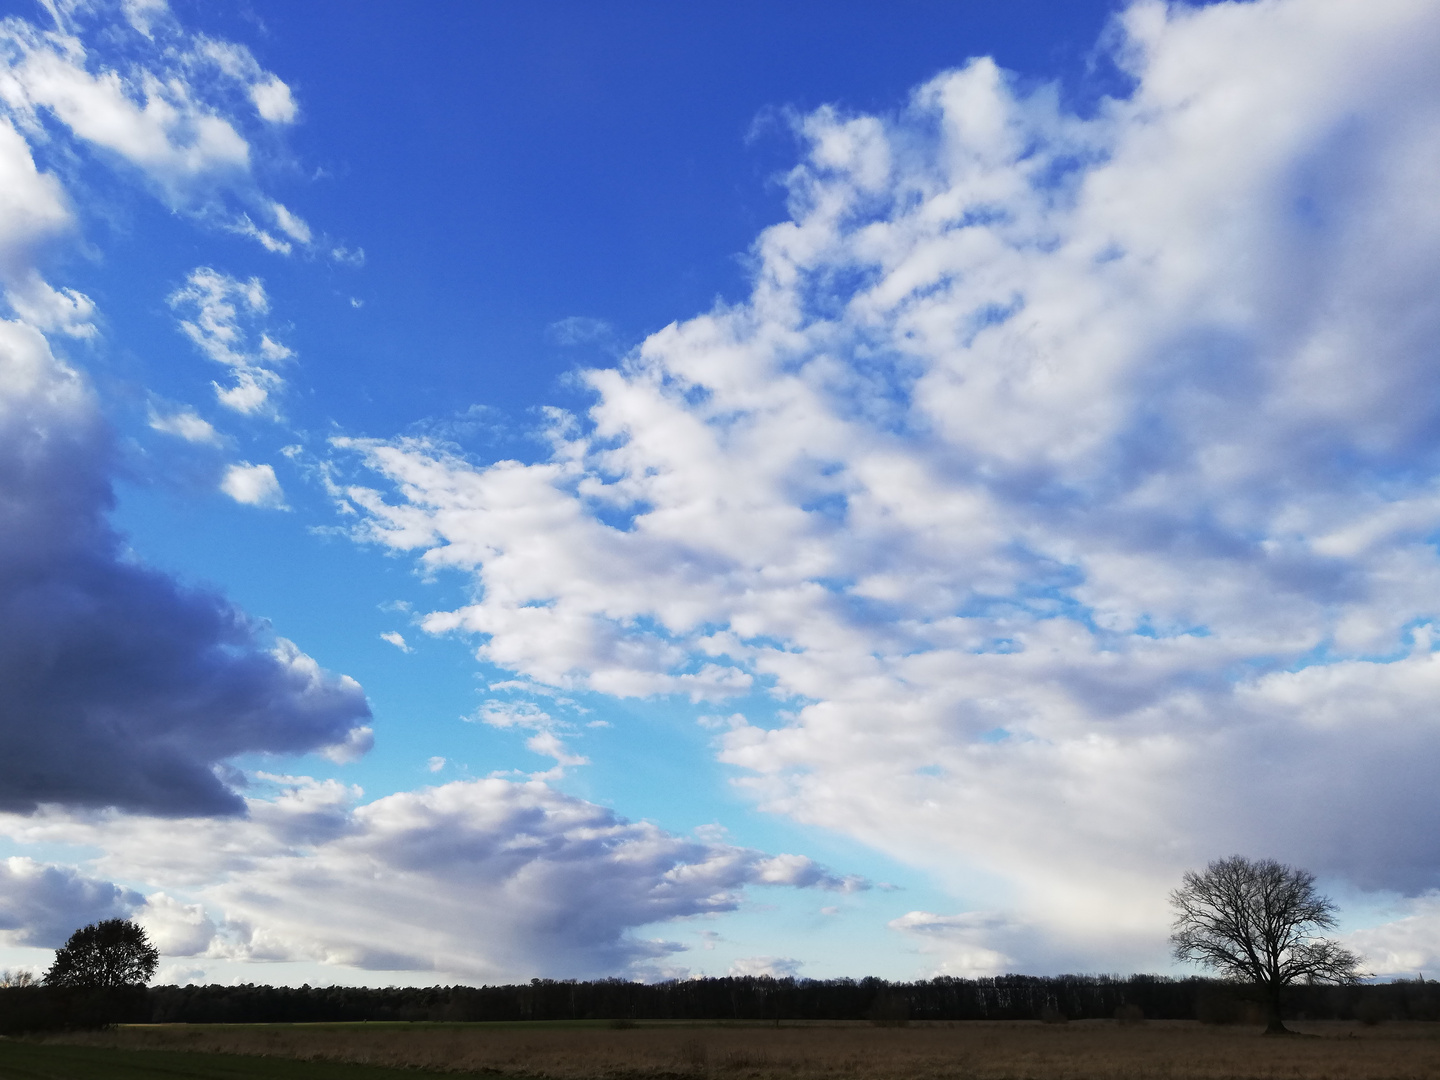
[[291, 224], [477, 880], [243, 226], [44, 307], [150, 120], [435, 764], [966, 945], [358, 742], [776, 967], [273, 101], [253, 485], [546, 741], [225, 318], [394, 637], [175, 928], [142, 14], [150, 96], [33, 208], [185, 424], [1069, 480], [1407, 944]]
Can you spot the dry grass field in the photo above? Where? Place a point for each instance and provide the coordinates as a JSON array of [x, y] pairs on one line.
[[1103, 1050]]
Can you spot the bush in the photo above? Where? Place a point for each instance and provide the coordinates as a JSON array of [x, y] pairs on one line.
[[1130, 1014], [889, 1010], [1220, 1005], [1372, 1010]]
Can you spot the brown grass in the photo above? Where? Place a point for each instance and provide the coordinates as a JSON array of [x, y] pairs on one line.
[[1103, 1050]]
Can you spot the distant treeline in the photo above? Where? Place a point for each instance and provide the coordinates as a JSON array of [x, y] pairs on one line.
[[1009, 997]]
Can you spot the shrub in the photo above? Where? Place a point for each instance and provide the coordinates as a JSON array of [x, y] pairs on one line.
[[1130, 1014]]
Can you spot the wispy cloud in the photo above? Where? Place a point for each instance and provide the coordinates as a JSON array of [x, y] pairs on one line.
[[185, 424], [546, 740], [581, 330], [394, 637], [225, 318]]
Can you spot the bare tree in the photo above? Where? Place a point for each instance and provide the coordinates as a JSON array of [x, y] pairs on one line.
[[1257, 921], [115, 952]]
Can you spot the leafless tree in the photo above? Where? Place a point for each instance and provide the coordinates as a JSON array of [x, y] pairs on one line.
[[1256, 921]]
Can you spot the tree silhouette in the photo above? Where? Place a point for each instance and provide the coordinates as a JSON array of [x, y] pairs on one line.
[[115, 952], [1256, 921]]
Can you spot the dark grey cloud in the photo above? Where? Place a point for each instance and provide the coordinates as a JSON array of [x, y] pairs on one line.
[[43, 905], [118, 685]]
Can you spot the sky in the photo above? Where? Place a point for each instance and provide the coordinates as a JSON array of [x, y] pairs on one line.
[[561, 490]]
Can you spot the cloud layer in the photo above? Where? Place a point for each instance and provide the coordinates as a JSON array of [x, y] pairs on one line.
[[479, 880], [1073, 480]]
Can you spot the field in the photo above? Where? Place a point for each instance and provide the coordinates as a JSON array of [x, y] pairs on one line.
[[1103, 1050]]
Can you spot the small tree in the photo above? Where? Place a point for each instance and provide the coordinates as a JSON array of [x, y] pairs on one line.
[[1256, 921], [115, 952]]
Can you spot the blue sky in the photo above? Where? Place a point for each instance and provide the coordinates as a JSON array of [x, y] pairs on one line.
[[641, 489]]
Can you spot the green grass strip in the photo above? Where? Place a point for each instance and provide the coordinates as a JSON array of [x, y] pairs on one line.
[[20, 1060]]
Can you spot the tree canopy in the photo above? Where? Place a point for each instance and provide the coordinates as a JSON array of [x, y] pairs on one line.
[[114, 952], [1256, 920]]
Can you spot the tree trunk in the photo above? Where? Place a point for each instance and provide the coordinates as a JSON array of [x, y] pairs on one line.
[[1274, 1025]]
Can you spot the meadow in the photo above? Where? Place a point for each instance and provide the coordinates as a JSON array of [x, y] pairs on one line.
[[1003, 1050]]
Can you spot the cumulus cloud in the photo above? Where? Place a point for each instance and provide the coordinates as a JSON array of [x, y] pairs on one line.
[[253, 485], [42, 905], [489, 879], [123, 688], [1071, 480], [176, 928], [1407, 944], [44, 307], [273, 101], [225, 319]]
